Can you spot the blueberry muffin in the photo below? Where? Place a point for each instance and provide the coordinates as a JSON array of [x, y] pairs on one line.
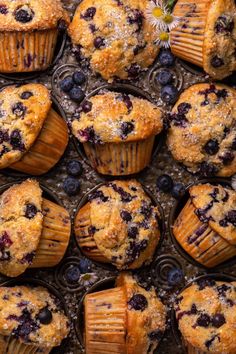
[[118, 225], [34, 232], [202, 130], [206, 35], [28, 33], [137, 319], [206, 316], [117, 138], [30, 320], [115, 36], [206, 226], [33, 137]]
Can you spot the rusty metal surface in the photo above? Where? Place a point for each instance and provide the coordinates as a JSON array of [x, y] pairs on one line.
[[162, 163]]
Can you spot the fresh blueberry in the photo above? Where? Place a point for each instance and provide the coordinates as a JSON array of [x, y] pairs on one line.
[[164, 77], [169, 94], [211, 147], [72, 274], [74, 168], [45, 316], [166, 58], [178, 190], [71, 186], [175, 276], [76, 94], [66, 84], [79, 78], [85, 266], [164, 183]]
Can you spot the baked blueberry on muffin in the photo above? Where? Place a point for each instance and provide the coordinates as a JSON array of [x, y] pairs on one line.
[[118, 225], [34, 232], [115, 36], [202, 130], [30, 320], [117, 131], [206, 316], [206, 35], [129, 319], [33, 137], [206, 226], [28, 33]]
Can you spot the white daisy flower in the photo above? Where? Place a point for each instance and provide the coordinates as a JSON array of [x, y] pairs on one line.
[[171, 21], [163, 39], [158, 15]]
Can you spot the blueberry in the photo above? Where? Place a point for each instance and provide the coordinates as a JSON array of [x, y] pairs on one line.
[[3, 9], [217, 62], [227, 158], [19, 109], [72, 274], [79, 78], [125, 215], [224, 25], [76, 94], [85, 266], [164, 183], [86, 106], [24, 14], [61, 25], [155, 335], [16, 140], [126, 128], [74, 168], [26, 95], [89, 14], [218, 320], [166, 58], [169, 94], [164, 77], [71, 186], [203, 320], [178, 191], [98, 42], [133, 70], [30, 211], [138, 302], [211, 147], [175, 276], [66, 84], [207, 169], [28, 258], [132, 232], [45, 316]]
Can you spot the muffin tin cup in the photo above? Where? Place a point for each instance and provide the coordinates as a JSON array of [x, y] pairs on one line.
[[187, 348], [56, 231], [54, 42], [20, 348], [48, 147], [98, 258], [178, 208], [125, 158]]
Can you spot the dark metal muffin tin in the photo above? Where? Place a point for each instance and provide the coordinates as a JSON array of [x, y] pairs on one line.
[[168, 257]]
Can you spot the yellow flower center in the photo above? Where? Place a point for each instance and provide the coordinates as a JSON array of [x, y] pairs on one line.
[[168, 18], [157, 12], [164, 36]]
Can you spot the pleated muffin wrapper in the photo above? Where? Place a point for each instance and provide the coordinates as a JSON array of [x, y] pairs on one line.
[[120, 159], [55, 235], [202, 243], [105, 321], [48, 148], [27, 51], [10, 345]]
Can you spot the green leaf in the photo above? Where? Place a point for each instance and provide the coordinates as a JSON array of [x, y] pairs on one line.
[[170, 4]]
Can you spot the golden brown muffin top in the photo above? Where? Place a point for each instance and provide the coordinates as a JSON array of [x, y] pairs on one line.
[[21, 223], [206, 315], [23, 110], [29, 15], [115, 36], [31, 314], [202, 129], [124, 223], [115, 117], [146, 316], [216, 205]]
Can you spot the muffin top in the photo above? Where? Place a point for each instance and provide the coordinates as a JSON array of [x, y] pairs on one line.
[[216, 205], [31, 314], [146, 316], [21, 223], [220, 39], [206, 315], [202, 129], [115, 36], [124, 223], [27, 15], [113, 117], [23, 110]]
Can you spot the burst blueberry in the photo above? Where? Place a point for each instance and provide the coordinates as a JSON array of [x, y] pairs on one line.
[[138, 302], [24, 14], [211, 147]]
